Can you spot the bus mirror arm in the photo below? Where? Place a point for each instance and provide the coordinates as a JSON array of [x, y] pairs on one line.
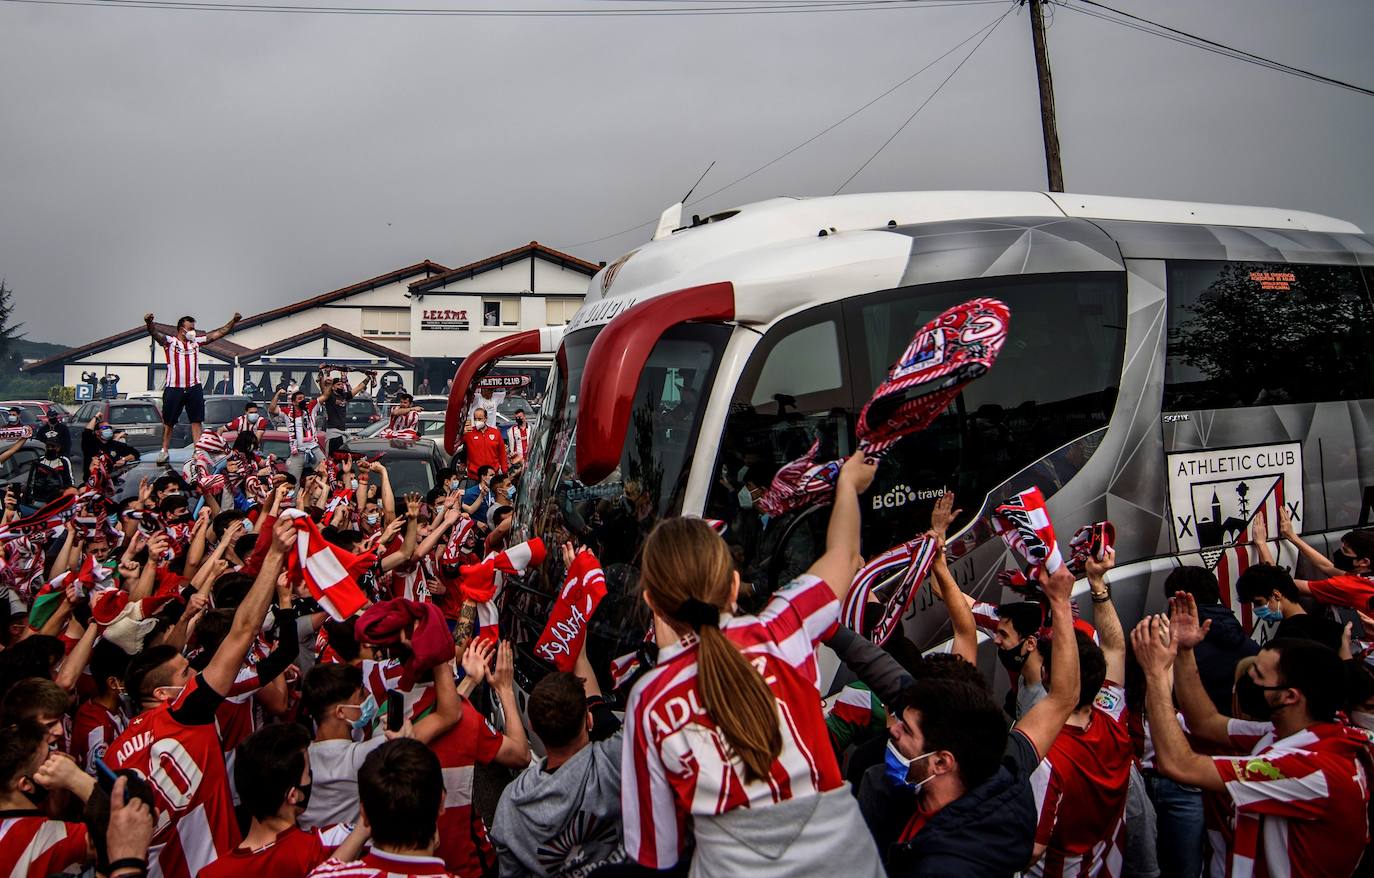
[[479, 362]]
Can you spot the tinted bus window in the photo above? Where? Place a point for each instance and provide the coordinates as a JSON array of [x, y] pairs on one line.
[[1255, 333], [1054, 384]]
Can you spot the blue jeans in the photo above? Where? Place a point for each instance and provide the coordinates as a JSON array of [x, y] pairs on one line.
[[1178, 815]]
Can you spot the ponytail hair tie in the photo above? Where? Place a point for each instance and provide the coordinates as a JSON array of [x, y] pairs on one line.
[[698, 613]]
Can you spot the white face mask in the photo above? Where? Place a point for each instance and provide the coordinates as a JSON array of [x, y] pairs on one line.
[[1363, 719], [746, 499], [479, 424]]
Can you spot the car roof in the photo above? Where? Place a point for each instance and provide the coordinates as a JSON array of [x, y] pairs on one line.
[[276, 435], [421, 449]]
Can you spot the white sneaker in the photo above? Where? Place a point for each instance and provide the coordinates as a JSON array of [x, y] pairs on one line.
[[162, 457]]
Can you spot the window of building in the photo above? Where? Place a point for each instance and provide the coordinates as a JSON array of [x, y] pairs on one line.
[[386, 322], [1256, 333], [559, 312], [500, 313]]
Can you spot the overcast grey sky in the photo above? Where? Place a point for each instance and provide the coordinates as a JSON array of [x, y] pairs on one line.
[[207, 161]]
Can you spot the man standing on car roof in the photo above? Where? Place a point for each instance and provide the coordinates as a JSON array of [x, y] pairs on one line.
[[98, 438], [183, 391], [335, 396]]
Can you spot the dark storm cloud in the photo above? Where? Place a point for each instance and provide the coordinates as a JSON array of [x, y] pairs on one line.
[[207, 162]]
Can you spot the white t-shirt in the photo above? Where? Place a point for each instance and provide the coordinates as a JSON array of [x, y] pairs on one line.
[[334, 781]]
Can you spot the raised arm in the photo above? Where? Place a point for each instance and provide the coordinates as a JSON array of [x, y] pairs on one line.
[[842, 559], [152, 330], [12, 449], [1205, 722], [965, 630], [1314, 557], [217, 334], [228, 659], [1105, 619], [515, 747], [1042, 723], [448, 707], [1155, 649], [1259, 536]]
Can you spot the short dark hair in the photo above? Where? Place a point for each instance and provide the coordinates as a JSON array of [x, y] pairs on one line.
[[558, 709], [1314, 670], [343, 638], [224, 519], [19, 743], [173, 502], [230, 589], [213, 626], [1262, 580], [950, 667], [147, 671], [1310, 626], [33, 697], [34, 656], [1026, 617], [268, 765], [484, 469], [402, 789], [1092, 665], [162, 483], [327, 685], [185, 319], [349, 539], [250, 404], [108, 660], [1199, 582], [244, 545], [1361, 542], [961, 719]]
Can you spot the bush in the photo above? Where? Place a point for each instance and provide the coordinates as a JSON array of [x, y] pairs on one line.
[[64, 395]]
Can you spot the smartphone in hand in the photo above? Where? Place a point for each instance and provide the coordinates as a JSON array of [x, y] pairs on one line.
[[395, 711]]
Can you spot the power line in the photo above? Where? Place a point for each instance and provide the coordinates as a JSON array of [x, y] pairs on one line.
[[766, 7], [924, 103], [833, 125], [1145, 25]]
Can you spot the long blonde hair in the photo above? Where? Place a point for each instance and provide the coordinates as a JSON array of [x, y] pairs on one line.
[[687, 573]]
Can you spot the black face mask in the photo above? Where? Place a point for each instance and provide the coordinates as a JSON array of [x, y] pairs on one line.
[[1343, 562], [50, 453], [1250, 697], [38, 795], [1012, 658], [305, 795]]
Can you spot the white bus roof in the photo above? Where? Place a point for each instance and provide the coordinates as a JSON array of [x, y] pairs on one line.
[[788, 249]]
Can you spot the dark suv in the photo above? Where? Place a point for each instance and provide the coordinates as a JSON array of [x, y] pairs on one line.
[[362, 412], [139, 420]]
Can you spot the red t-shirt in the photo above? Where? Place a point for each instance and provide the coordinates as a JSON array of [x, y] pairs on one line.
[[32, 846], [380, 864], [1080, 791], [175, 746], [93, 729], [463, 844], [291, 854]]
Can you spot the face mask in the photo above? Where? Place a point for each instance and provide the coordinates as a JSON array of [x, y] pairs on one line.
[[367, 715], [371, 519], [898, 767], [304, 790], [1250, 696], [1363, 719], [451, 486], [11, 419], [746, 498], [1012, 658], [1267, 614], [1343, 562], [112, 520], [50, 453], [247, 525], [479, 424], [38, 795], [252, 417], [107, 434], [510, 492]]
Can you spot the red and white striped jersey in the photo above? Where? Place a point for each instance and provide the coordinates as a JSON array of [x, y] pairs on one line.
[[241, 423], [300, 426], [675, 762], [32, 846], [1300, 804], [403, 426], [519, 436], [183, 359], [93, 729], [380, 864], [292, 853], [463, 844], [184, 764], [237, 717], [1080, 792]]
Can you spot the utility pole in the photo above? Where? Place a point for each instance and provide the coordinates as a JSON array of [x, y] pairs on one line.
[[1053, 170]]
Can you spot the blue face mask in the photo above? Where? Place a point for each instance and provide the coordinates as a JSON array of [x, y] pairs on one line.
[[107, 434], [367, 715], [113, 520], [897, 767], [1267, 614]]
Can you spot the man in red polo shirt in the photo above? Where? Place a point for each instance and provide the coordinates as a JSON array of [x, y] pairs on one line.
[[484, 445]]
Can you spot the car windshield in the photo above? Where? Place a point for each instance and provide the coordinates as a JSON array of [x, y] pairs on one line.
[[362, 407], [409, 474], [280, 447], [222, 411], [512, 404], [614, 516], [133, 414]]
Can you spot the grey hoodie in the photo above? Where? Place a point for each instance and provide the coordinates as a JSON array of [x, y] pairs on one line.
[[566, 823]]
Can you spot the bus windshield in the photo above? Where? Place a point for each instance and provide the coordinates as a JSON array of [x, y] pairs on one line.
[[614, 516]]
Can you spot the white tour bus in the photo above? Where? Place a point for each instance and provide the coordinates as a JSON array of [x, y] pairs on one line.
[[1178, 369]]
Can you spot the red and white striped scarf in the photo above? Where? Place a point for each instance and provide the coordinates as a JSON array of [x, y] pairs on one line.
[[1024, 525], [566, 631], [891, 579]]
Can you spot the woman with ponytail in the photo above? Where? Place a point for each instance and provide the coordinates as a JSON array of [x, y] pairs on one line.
[[727, 728]]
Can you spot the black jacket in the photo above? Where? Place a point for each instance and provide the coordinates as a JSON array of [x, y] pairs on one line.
[[989, 832], [1219, 653]]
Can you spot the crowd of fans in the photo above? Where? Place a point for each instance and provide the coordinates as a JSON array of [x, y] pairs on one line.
[[282, 669]]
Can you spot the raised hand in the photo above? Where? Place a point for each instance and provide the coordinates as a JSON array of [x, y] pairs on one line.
[[1183, 621], [413, 505], [284, 535], [475, 659], [131, 825], [1096, 569], [503, 674], [1155, 648], [1058, 585], [943, 514], [857, 472], [1286, 529]]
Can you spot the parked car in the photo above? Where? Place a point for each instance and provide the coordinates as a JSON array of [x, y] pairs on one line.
[[139, 420], [412, 466], [362, 412], [35, 411], [126, 479], [16, 469], [276, 442], [220, 409], [432, 403], [431, 427]]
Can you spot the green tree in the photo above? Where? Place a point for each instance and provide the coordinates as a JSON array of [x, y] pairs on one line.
[[9, 330]]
